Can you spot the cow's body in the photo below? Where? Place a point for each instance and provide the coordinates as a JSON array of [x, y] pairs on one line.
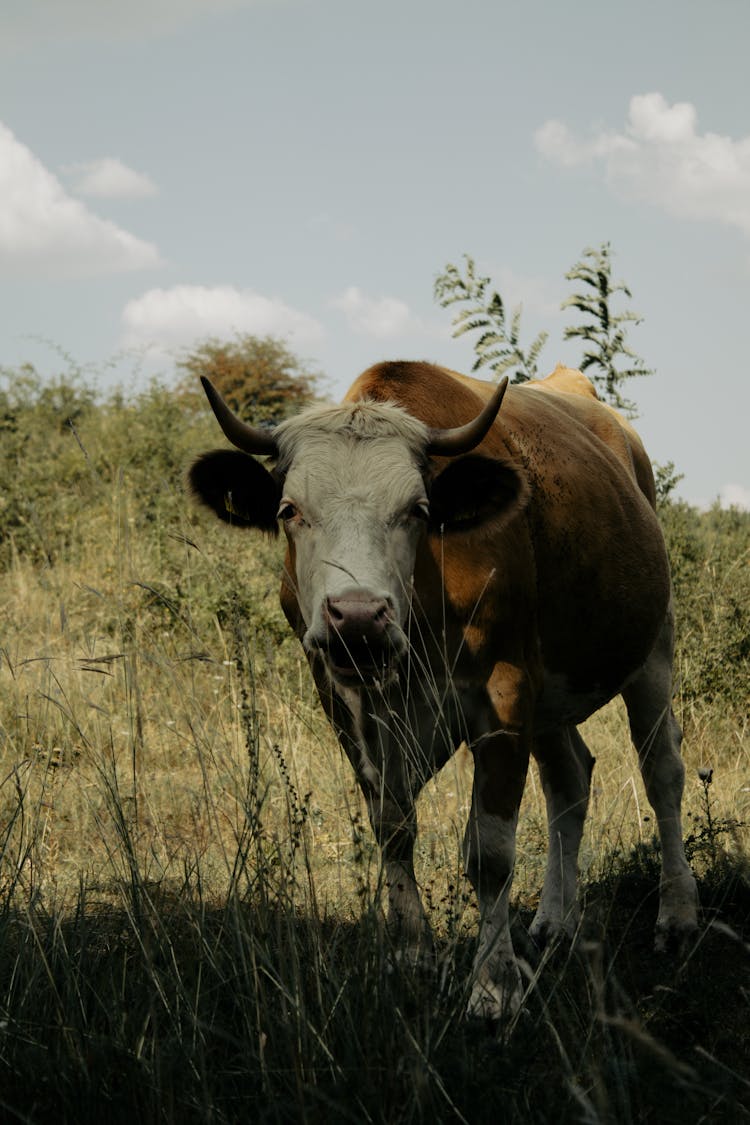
[[538, 589]]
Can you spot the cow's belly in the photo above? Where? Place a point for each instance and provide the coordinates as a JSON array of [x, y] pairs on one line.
[[560, 704]]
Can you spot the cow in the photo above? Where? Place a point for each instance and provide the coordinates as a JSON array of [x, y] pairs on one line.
[[461, 573]]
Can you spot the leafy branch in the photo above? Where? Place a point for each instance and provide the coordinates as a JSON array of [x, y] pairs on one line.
[[498, 343], [603, 336], [498, 346]]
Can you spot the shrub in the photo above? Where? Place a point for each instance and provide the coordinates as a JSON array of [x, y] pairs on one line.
[[709, 556]]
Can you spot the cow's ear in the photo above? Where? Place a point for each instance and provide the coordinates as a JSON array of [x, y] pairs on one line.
[[472, 490], [237, 488]]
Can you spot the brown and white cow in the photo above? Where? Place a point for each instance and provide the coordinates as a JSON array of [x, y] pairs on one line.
[[455, 574]]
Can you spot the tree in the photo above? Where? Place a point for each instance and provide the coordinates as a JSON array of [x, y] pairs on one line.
[[604, 334], [498, 346], [258, 376]]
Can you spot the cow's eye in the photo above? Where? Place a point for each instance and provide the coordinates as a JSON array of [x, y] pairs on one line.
[[287, 511], [420, 510]]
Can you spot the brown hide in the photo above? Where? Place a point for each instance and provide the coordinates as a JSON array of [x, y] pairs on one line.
[[579, 582]]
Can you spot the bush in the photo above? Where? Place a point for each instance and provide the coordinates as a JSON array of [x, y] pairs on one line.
[[709, 557], [43, 471]]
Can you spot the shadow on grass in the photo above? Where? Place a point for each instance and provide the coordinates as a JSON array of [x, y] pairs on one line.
[[166, 1008]]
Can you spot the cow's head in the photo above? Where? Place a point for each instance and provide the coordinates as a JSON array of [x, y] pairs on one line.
[[356, 489]]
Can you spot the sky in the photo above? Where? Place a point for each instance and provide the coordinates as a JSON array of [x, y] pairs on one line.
[[172, 170]]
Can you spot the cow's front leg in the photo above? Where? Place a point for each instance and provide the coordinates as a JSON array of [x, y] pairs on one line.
[[500, 764], [394, 823], [391, 767]]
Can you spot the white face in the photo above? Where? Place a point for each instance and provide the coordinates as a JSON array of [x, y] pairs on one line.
[[354, 511]]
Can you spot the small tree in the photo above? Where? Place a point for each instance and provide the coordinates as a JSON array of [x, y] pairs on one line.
[[498, 345], [604, 334], [258, 376]]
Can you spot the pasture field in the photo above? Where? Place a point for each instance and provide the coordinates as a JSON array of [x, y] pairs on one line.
[[189, 899]]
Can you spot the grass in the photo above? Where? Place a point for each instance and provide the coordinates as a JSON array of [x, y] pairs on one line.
[[189, 906], [189, 891]]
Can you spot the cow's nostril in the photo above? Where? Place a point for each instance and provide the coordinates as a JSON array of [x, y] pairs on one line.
[[334, 612], [358, 614]]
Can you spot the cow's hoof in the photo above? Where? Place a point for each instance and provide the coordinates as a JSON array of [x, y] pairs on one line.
[[677, 920], [675, 940], [418, 958], [546, 931], [495, 1003]]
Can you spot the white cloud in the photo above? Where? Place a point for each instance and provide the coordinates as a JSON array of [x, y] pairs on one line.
[[382, 317], [27, 22], [163, 319], [108, 178], [735, 496], [45, 232], [661, 158], [555, 141]]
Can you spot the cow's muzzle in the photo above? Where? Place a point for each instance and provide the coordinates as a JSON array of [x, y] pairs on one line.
[[361, 639]]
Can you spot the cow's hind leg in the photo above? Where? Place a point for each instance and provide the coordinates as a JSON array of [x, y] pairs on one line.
[[657, 738], [565, 766]]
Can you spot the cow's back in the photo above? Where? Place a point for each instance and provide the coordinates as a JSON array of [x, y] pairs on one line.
[[569, 406], [587, 553]]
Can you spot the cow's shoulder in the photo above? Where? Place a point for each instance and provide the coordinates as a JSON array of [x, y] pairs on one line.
[[435, 395]]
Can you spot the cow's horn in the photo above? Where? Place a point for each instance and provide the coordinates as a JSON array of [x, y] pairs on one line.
[[461, 439], [250, 439]]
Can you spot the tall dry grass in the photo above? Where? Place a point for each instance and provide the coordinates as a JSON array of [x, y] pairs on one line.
[[112, 694], [189, 891]]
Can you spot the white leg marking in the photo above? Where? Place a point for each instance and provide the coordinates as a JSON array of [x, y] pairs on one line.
[[657, 737], [664, 776], [406, 916], [565, 768], [497, 990]]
